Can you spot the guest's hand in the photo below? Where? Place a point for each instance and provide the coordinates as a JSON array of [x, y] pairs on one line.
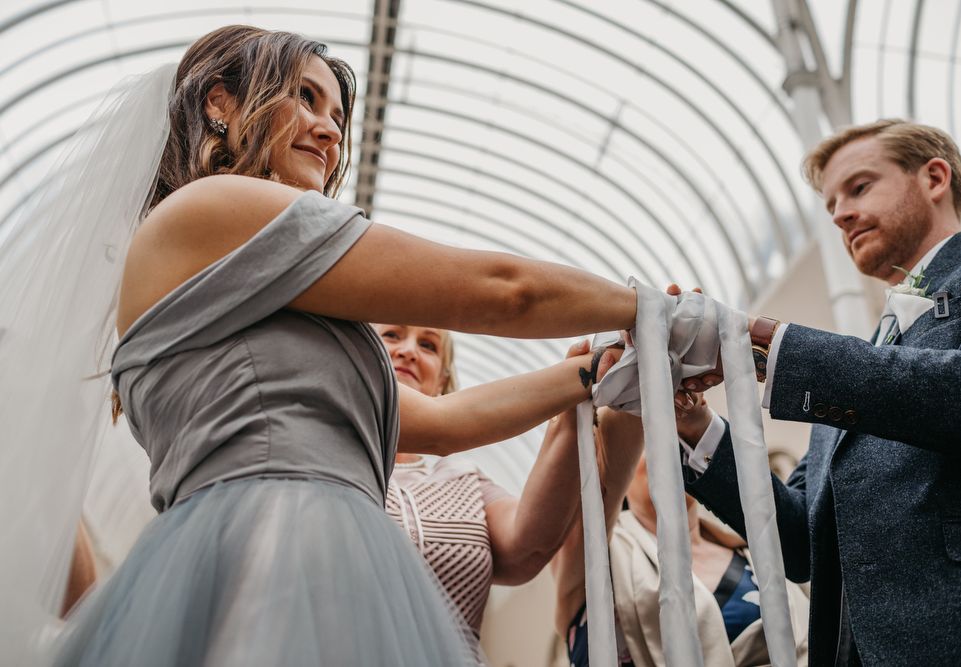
[[693, 416], [708, 379]]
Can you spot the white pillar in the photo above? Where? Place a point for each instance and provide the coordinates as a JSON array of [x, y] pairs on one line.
[[809, 90]]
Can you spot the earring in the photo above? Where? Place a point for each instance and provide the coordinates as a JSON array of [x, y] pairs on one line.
[[219, 126]]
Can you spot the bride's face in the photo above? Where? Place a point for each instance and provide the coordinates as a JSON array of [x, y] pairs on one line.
[[308, 159]]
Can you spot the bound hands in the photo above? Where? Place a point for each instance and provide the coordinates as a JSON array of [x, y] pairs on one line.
[[693, 348], [708, 379], [690, 408]]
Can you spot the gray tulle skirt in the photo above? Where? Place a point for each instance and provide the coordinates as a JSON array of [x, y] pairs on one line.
[[269, 572]]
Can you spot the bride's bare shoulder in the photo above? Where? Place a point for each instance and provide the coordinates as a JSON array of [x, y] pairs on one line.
[[189, 230], [212, 202]]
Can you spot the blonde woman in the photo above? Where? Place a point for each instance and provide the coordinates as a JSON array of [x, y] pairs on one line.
[[472, 532]]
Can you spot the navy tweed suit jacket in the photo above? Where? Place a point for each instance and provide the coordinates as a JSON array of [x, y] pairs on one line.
[[876, 501]]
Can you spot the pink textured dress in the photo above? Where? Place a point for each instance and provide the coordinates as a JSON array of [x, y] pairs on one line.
[[441, 508]]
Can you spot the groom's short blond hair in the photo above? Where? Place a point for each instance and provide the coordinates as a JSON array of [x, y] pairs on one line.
[[910, 145]]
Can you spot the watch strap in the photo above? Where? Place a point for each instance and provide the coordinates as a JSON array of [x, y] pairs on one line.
[[762, 332]]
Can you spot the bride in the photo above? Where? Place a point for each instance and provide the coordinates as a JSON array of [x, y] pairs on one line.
[[267, 406]]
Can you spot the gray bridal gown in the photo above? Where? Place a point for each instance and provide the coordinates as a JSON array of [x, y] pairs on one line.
[[271, 435]]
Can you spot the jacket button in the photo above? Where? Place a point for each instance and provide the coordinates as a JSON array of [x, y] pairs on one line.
[[850, 417], [835, 413], [820, 410]]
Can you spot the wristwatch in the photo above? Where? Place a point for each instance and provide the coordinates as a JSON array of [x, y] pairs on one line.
[[762, 333]]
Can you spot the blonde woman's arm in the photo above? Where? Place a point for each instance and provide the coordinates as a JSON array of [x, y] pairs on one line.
[[527, 532], [495, 411]]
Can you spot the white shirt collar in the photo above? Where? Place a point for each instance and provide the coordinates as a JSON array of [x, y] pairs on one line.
[[928, 257]]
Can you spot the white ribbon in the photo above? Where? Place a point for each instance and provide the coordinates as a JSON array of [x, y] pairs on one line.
[[754, 484], [643, 383], [602, 647], [679, 638]]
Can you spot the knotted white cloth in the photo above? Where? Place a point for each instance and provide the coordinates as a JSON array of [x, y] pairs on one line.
[[675, 338], [692, 349]]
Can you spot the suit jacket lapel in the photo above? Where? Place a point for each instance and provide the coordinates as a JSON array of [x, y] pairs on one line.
[[944, 263], [940, 269], [937, 274]]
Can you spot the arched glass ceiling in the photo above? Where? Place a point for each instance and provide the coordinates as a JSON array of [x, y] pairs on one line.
[[640, 137], [906, 55]]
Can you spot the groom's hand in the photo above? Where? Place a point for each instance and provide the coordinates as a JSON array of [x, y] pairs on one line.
[[708, 379], [693, 416]]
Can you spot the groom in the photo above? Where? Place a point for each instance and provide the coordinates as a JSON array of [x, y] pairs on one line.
[[872, 514]]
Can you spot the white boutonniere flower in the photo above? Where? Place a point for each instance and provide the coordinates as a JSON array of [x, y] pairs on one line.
[[909, 300], [903, 288], [912, 284]]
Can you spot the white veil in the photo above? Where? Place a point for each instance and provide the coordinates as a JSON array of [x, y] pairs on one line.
[[61, 258]]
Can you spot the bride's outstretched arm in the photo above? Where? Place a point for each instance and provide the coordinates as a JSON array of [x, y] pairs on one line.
[[386, 276]]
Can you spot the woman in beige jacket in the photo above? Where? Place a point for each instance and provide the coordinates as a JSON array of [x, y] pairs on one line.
[[725, 593]]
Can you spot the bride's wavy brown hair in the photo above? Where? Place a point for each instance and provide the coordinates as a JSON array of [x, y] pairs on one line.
[[262, 69]]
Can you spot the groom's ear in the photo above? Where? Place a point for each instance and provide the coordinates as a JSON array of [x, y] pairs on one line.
[[936, 178]]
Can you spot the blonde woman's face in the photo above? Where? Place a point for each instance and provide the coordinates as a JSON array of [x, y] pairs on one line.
[[308, 158], [416, 354]]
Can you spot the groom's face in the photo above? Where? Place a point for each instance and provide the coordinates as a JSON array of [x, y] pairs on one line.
[[880, 209]]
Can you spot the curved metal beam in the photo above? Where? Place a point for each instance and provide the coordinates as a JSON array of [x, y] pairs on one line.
[[495, 241], [695, 155], [750, 288], [526, 212], [745, 65], [28, 14], [383, 36], [614, 55], [598, 229], [882, 43], [847, 50], [752, 126], [113, 26], [626, 229], [667, 201], [952, 69], [37, 87], [42, 121], [740, 13], [913, 58]]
